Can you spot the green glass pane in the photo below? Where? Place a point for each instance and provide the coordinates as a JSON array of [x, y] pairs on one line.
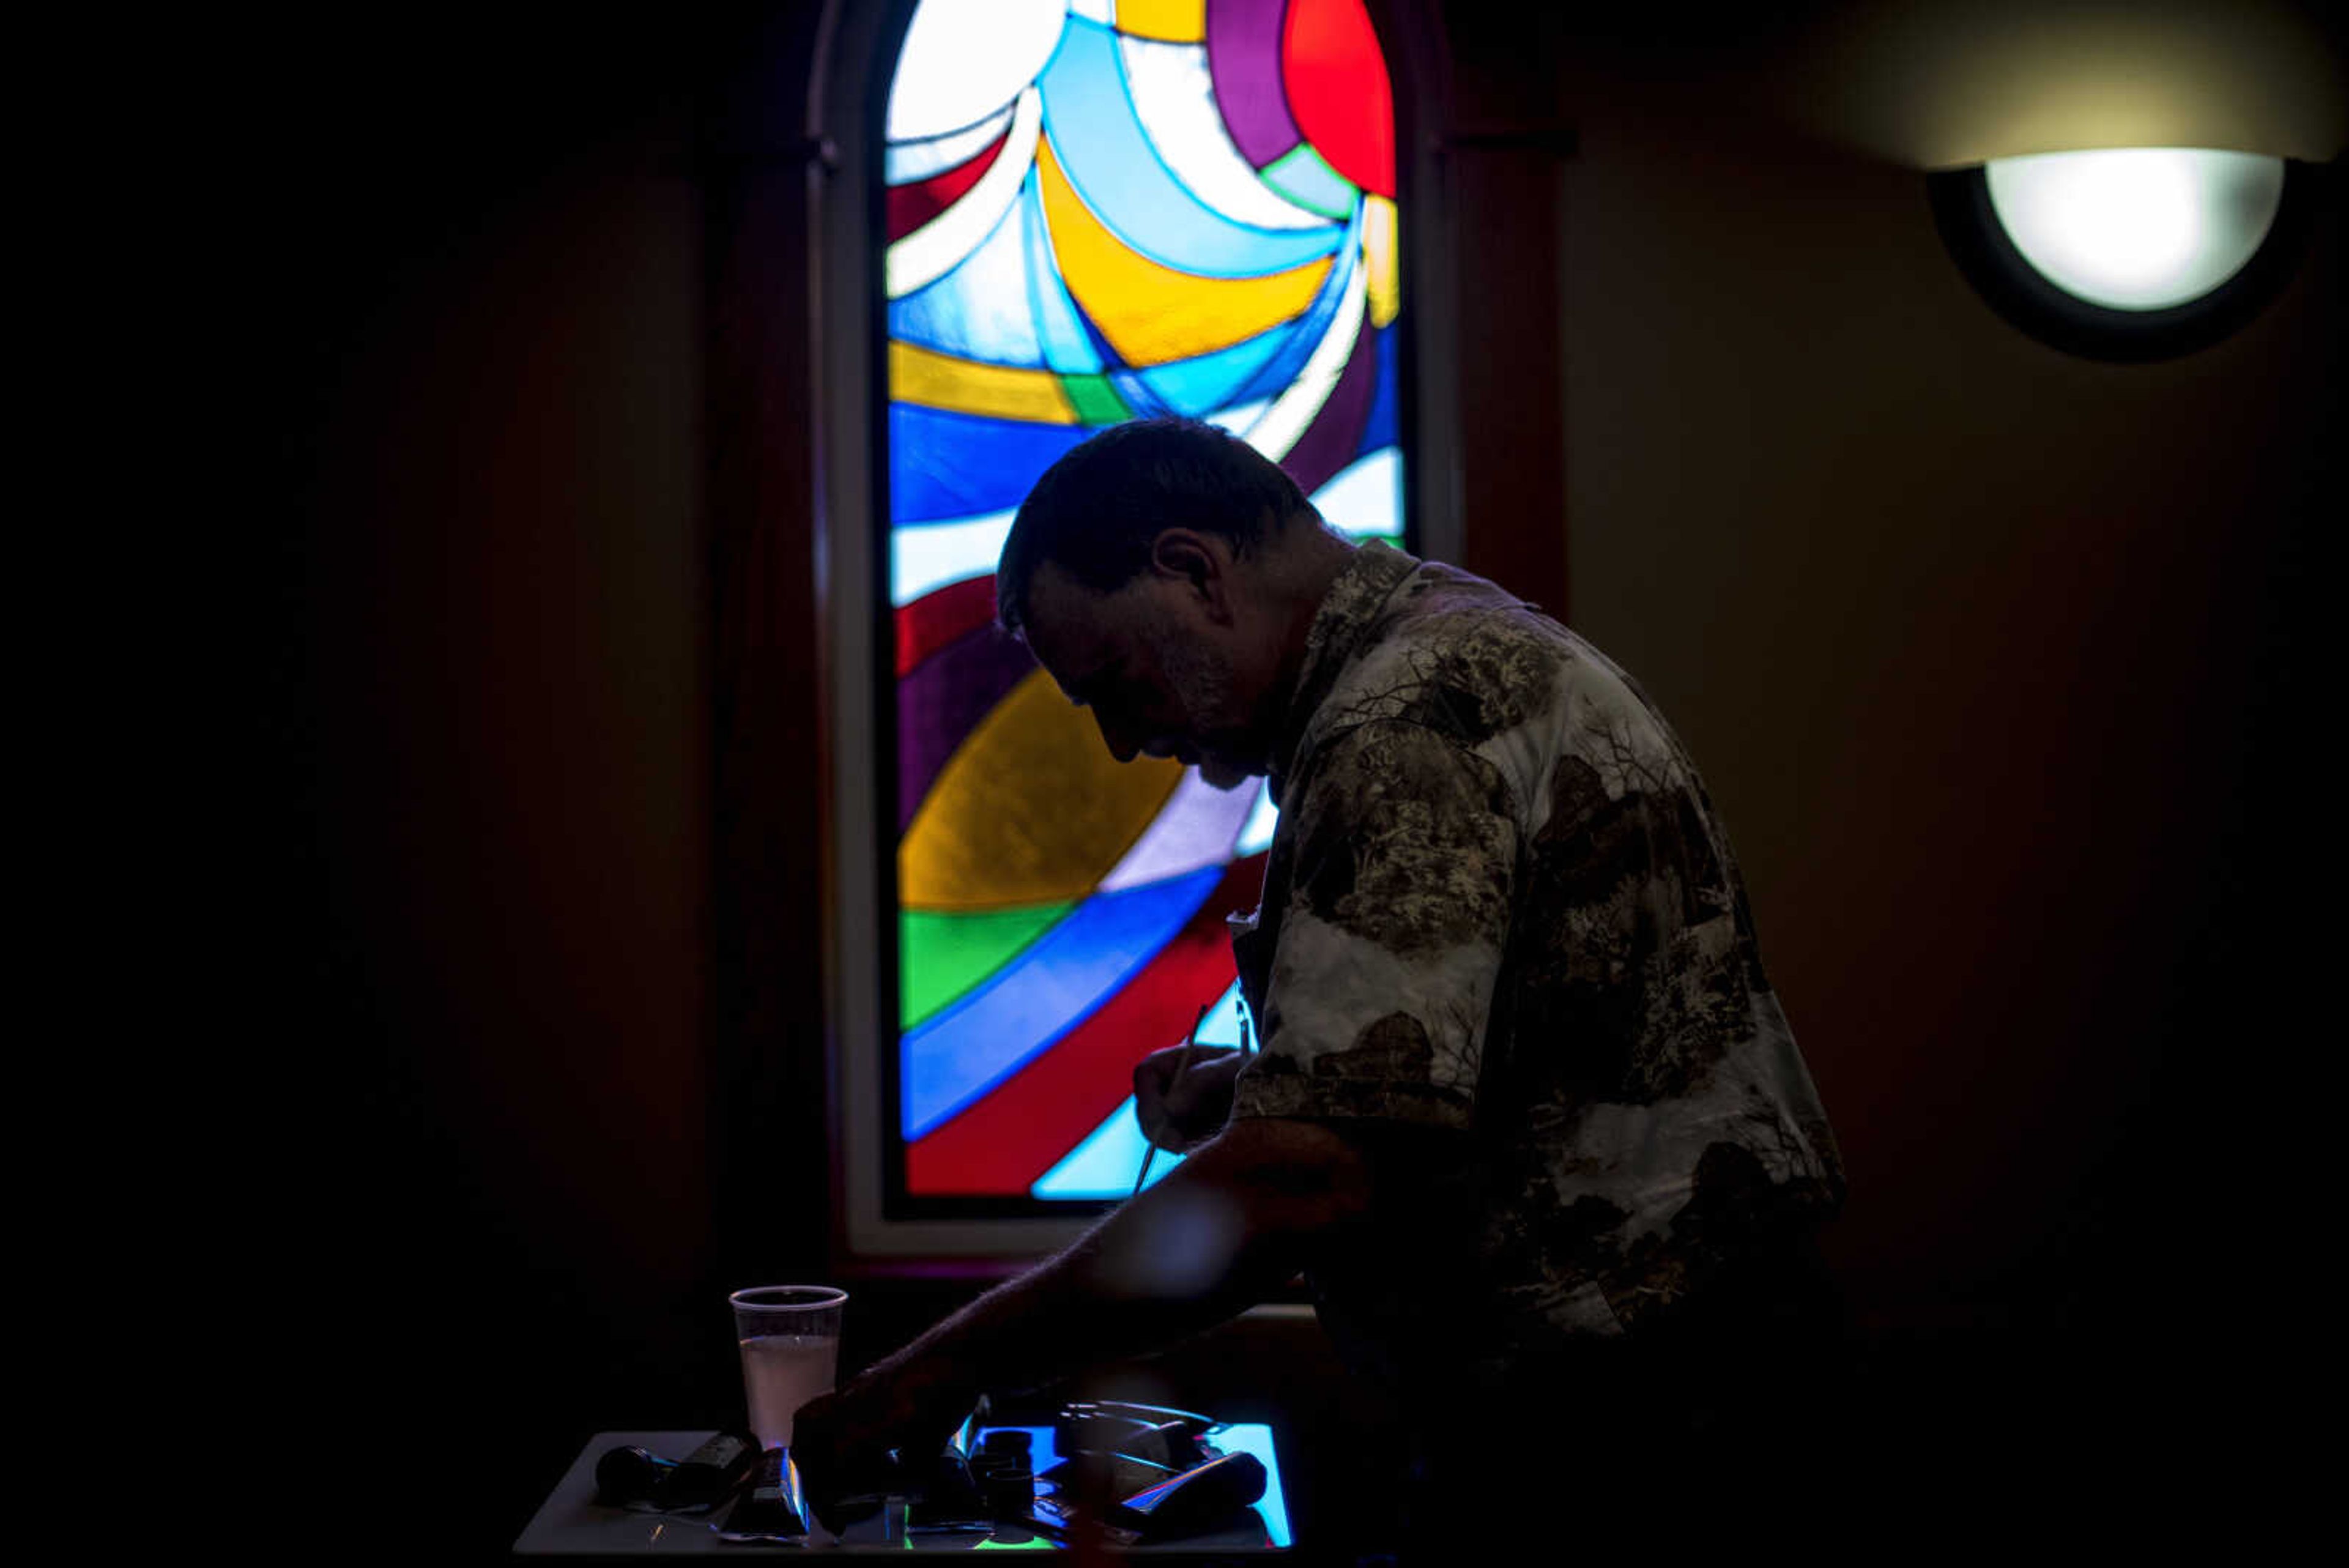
[[940, 956], [1097, 402]]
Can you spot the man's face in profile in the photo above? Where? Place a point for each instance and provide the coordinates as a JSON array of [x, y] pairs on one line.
[[1151, 668]]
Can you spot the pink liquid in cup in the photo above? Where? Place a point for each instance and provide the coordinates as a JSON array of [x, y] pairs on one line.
[[789, 1339]]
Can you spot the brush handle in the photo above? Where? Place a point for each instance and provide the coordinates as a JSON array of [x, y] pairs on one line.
[[1181, 1066]]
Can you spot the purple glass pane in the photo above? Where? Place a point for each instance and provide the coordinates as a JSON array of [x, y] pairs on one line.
[[1244, 55]]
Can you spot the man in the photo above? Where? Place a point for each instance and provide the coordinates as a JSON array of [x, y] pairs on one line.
[[1525, 1112]]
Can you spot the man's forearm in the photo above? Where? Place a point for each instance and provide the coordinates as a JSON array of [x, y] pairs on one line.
[[1222, 1231]]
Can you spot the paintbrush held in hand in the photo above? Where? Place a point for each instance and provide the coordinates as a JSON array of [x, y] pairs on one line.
[[1181, 1066]]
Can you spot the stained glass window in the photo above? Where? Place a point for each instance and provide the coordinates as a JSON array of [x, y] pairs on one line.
[[1097, 209]]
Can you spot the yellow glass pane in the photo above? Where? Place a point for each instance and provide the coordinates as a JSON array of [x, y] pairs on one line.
[[1002, 392], [1153, 314], [1176, 21], [1378, 249], [1032, 808]]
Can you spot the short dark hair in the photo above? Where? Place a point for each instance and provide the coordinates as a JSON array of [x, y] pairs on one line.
[[1096, 511]]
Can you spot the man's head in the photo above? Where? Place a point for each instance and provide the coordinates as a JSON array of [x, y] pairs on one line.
[[1164, 573]]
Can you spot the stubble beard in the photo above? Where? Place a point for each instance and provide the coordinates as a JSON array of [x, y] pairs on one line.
[[1201, 681]]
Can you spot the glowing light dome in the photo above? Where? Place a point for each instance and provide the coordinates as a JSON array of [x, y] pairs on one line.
[[2137, 228]]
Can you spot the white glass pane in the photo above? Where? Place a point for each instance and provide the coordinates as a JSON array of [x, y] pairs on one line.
[[964, 59], [1174, 97], [924, 559], [1258, 835], [1365, 499]]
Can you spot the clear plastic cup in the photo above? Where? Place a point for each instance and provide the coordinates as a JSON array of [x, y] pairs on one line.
[[789, 1339]]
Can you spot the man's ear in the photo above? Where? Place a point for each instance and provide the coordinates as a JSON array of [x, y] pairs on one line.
[[1194, 559]]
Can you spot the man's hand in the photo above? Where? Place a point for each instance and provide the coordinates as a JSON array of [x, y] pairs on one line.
[[1179, 1115], [842, 1442]]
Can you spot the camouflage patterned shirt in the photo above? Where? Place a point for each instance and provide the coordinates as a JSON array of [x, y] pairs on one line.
[[1499, 905]]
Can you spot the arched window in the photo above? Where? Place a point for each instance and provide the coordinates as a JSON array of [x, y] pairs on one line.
[[1076, 213]]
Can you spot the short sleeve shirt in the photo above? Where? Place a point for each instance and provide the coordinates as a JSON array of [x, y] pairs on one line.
[[1499, 906]]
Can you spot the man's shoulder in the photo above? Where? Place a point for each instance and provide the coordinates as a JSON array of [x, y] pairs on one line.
[[1455, 654]]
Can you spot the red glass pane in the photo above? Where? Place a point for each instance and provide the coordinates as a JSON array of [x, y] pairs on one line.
[[1338, 89]]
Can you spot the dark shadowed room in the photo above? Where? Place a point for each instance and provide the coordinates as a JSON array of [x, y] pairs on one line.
[[1923, 405]]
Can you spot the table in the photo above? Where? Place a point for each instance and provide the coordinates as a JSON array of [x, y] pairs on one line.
[[571, 1523]]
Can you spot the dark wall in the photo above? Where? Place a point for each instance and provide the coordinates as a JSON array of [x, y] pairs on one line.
[[1997, 663], [487, 253]]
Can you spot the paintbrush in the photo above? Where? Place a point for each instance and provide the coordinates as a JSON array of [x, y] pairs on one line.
[[1181, 1066]]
